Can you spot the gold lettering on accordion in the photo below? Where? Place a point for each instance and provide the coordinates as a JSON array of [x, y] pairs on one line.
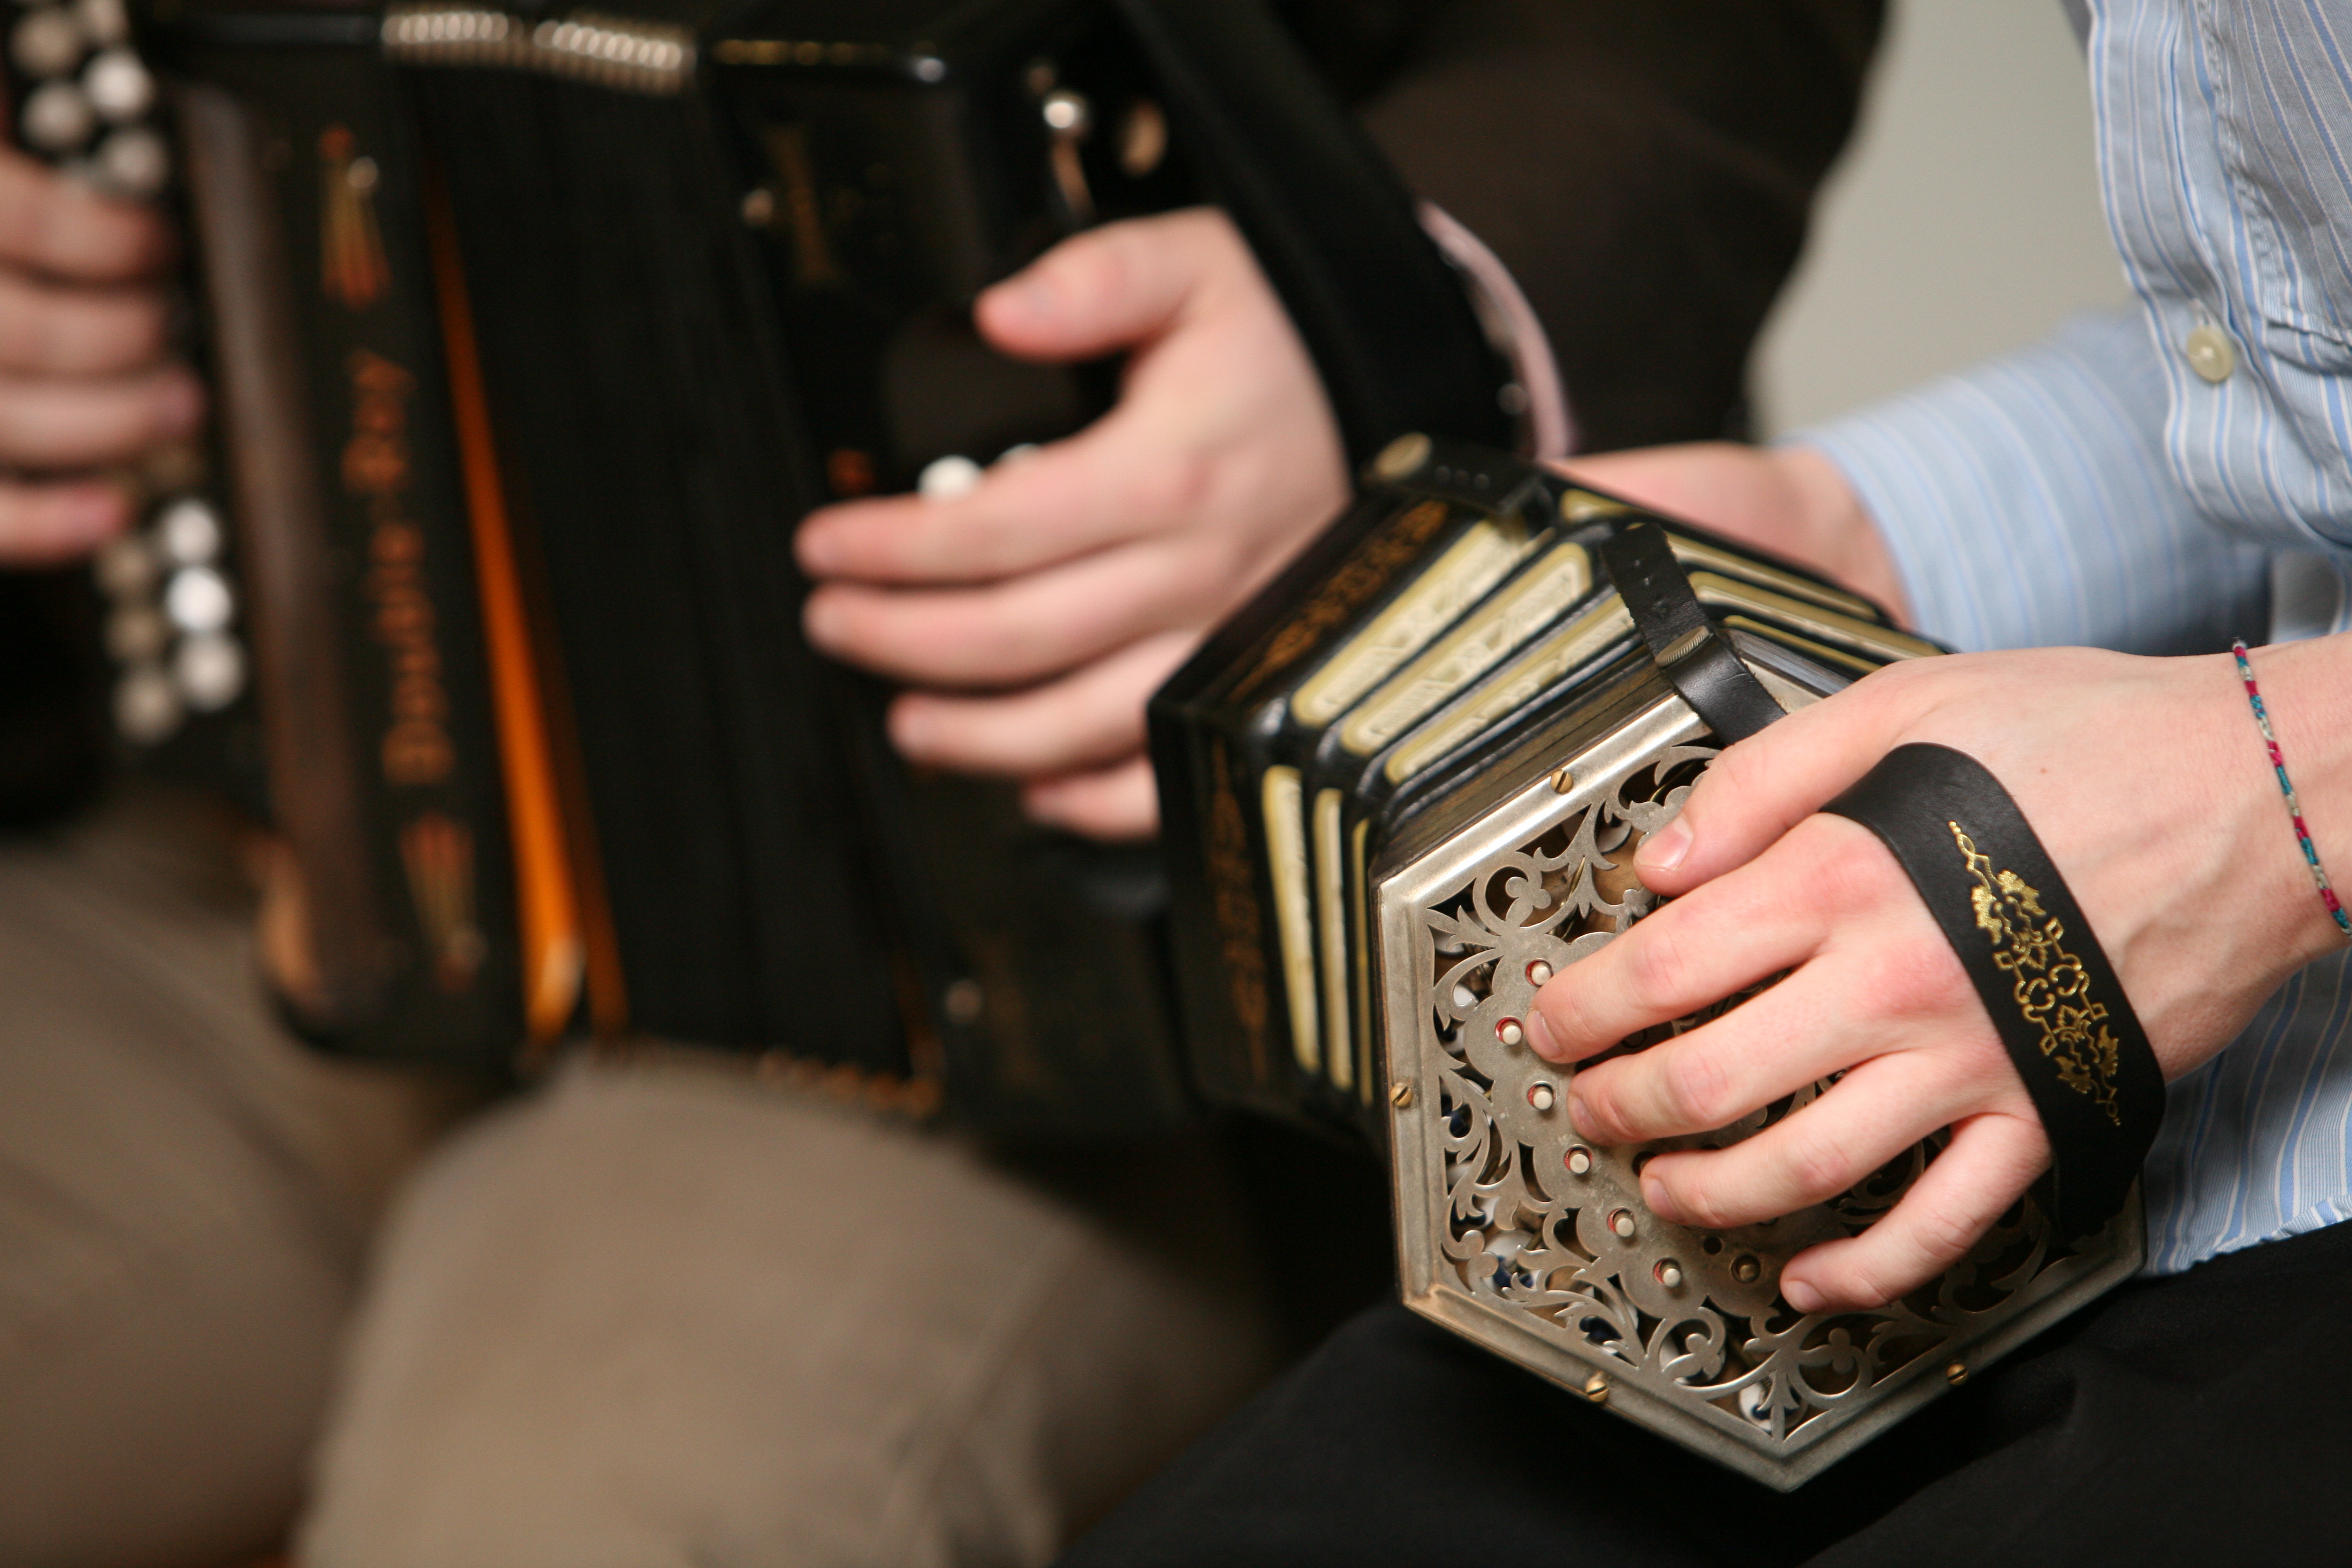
[[1284, 801], [352, 270], [438, 854], [1456, 579], [1512, 687], [1542, 595], [416, 750], [2051, 990], [1395, 545]]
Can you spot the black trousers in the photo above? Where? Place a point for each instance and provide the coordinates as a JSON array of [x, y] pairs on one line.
[[2202, 1419]]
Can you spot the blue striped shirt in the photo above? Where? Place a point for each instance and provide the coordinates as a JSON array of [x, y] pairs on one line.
[[2098, 489]]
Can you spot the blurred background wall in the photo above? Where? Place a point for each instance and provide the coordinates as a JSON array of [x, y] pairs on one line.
[[1964, 221]]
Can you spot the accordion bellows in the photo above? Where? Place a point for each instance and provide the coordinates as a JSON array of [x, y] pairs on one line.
[[1401, 791]]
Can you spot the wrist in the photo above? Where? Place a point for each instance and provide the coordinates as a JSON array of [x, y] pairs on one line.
[[1839, 539], [2305, 688]]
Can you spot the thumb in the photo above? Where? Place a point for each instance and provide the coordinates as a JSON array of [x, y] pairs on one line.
[[1759, 789], [1110, 288]]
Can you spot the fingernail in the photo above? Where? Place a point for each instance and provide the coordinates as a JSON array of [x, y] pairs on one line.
[[821, 621], [1540, 1038], [1665, 849], [911, 732], [1801, 1296], [1653, 1192], [1580, 1117], [814, 548], [1026, 294]]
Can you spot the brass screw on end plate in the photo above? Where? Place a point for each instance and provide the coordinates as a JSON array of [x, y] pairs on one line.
[[1562, 781], [1956, 1373], [1596, 1388], [1401, 1096]]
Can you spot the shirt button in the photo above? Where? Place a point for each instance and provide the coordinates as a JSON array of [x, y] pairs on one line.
[[2210, 354]]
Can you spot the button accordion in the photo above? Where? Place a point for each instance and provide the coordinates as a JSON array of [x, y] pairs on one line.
[[1401, 791], [531, 334]]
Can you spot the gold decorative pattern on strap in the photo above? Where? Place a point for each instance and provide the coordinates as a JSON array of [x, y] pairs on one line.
[[2051, 990]]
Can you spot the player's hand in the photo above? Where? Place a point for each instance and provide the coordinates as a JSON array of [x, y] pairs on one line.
[[1033, 615], [2145, 779], [84, 379]]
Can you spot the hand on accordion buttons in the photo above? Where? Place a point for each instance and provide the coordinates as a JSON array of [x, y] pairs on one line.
[[2147, 782], [85, 379], [1033, 615]]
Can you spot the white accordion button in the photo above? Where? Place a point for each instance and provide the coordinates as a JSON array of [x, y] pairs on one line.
[[146, 708], [209, 671], [189, 531], [59, 118], [134, 162], [119, 86], [46, 43], [945, 478], [197, 600]]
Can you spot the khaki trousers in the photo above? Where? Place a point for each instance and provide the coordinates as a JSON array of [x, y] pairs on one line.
[[642, 1315]]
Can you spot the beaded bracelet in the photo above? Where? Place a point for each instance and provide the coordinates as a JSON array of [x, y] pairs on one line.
[[2293, 806]]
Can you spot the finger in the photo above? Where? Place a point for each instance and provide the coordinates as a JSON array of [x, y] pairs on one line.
[[1007, 634], [61, 226], [77, 332], [1987, 1166], [1112, 286], [1773, 1043], [1693, 951], [1110, 483], [49, 525], [51, 424], [1759, 789], [1084, 720], [1114, 804], [1869, 1117]]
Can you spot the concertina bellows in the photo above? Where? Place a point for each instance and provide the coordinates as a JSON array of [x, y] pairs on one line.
[[532, 334], [1402, 790]]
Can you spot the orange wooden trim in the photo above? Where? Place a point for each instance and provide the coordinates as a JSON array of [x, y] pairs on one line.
[[553, 950]]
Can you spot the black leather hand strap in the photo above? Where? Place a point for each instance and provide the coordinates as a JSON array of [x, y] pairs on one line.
[[1690, 648], [2031, 955]]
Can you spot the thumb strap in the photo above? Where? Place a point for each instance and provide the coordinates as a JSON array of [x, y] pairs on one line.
[[2043, 977]]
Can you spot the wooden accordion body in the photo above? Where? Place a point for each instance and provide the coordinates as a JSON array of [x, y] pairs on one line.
[[1402, 790], [532, 336]]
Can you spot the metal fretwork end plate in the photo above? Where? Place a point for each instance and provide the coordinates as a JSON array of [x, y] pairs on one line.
[[1515, 1234]]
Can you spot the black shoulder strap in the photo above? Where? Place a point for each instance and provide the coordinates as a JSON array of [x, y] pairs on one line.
[[1689, 648], [1382, 312]]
